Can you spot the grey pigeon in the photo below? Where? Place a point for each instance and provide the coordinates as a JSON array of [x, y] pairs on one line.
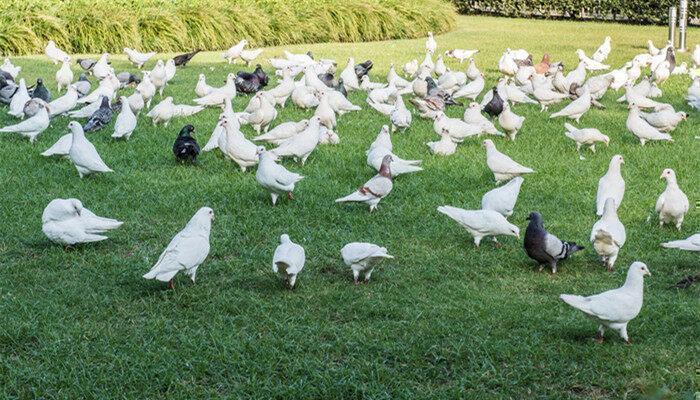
[[86, 63], [544, 247], [32, 107], [362, 69], [7, 90], [494, 108], [127, 78], [99, 118], [183, 59], [40, 91], [83, 85]]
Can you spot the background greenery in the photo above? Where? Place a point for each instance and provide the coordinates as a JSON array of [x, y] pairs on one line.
[[94, 26], [637, 11], [442, 320]]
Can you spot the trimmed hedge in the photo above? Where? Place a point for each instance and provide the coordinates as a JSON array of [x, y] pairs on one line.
[[635, 11], [94, 26]]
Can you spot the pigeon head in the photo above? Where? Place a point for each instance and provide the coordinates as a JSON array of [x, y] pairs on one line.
[[669, 175], [285, 239], [638, 269], [187, 130], [488, 144], [616, 161], [514, 231], [474, 105], [202, 218], [445, 132], [310, 54], [76, 129], [536, 219], [39, 82], [385, 169]]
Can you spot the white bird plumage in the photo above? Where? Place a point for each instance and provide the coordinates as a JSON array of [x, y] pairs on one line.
[[481, 223], [288, 260], [611, 185], [68, 222], [608, 234], [362, 258], [83, 154], [672, 204]]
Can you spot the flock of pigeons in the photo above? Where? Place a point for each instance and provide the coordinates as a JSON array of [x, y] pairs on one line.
[[433, 87]]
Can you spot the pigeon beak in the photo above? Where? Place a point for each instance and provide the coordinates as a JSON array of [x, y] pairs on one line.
[[647, 273]]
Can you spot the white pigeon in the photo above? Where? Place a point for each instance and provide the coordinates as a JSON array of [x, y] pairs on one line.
[[608, 234], [603, 50], [585, 136], [544, 94], [611, 185], [87, 111], [64, 75], [260, 119], [383, 95], [10, 68], [672, 204], [159, 77], [615, 308], [481, 223], [577, 76], [642, 129], [691, 244], [186, 251], [234, 51], [662, 72], [461, 54], [472, 70], [473, 116], [328, 136], [237, 147], [514, 94], [457, 129], [33, 126], [101, 67], [54, 53], [284, 88], [68, 222], [325, 112], [250, 55], [301, 145], [217, 138], [104, 89], [367, 85], [440, 67], [382, 108], [524, 73], [502, 166], [288, 260], [64, 103], [576, 108], [162, 112], [445, 146], [502, 199], [299, 58], [591, 64], [136, 102], [202, 89], [218, 96], [638, 96], [362, 258], [125, 122], [17, 102], [170, 70], [338, 102], [450, 81], [350, 81], [137, 58], [507, 65], [283, 131], [653, 50], [274, 177], [381, 147], [375, 189], [510, 121], [665, 119], [430, 44], [61, 147], [400, 116], [427, 63], [147, 89], [304, 97], [399, 82], [410, 68], [472, 89], [83, 154]]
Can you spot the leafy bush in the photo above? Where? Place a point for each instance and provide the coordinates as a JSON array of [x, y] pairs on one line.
[[637, 11], [94, 26]]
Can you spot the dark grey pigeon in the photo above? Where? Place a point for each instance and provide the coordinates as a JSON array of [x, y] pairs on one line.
[[186, 147], [183, 59], [7, 90], [544, 247], [127, 78], [362, 69], [494, 108], [6, 76], [100, 118], [40, 91], [328, 79], [83, 85], [671, 58], [341, 87], [86, 63]]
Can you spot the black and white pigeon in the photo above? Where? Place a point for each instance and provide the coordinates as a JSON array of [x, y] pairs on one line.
[[494, 108], [341, 88], [100, 118], [544, 247], [362, 69], [82, 85], [40, 91], [127, 78], [86, 63], [186, 147], [183, 59], [6, 76], [7, 90], [251, 82]]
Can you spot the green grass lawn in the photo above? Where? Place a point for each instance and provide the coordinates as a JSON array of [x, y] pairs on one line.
[[442, 320]]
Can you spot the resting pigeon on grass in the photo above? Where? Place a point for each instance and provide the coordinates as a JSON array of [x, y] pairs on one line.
[[510, 121], [375, 189], [381, 147], [691, 244], [67, 222], [83, 154], [362, 258], [186, 251], [642, 129], [544, 247], [502, 199], [275, 178], [288, 260], [64, 103], [64, 76], [608, 235], [672, 204], [615, 308], [481, 223], [101, 118], [611, 185], [33, 126], [185, 147], [502, 166]]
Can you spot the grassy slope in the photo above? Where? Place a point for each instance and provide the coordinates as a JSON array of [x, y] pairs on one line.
[[441, 320]]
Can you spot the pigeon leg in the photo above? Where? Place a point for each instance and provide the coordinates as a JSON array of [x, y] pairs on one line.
[[496, 243], [599, 338], [171, 284], [356, 276], [554, 267], [290, 195], [368, 274]]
